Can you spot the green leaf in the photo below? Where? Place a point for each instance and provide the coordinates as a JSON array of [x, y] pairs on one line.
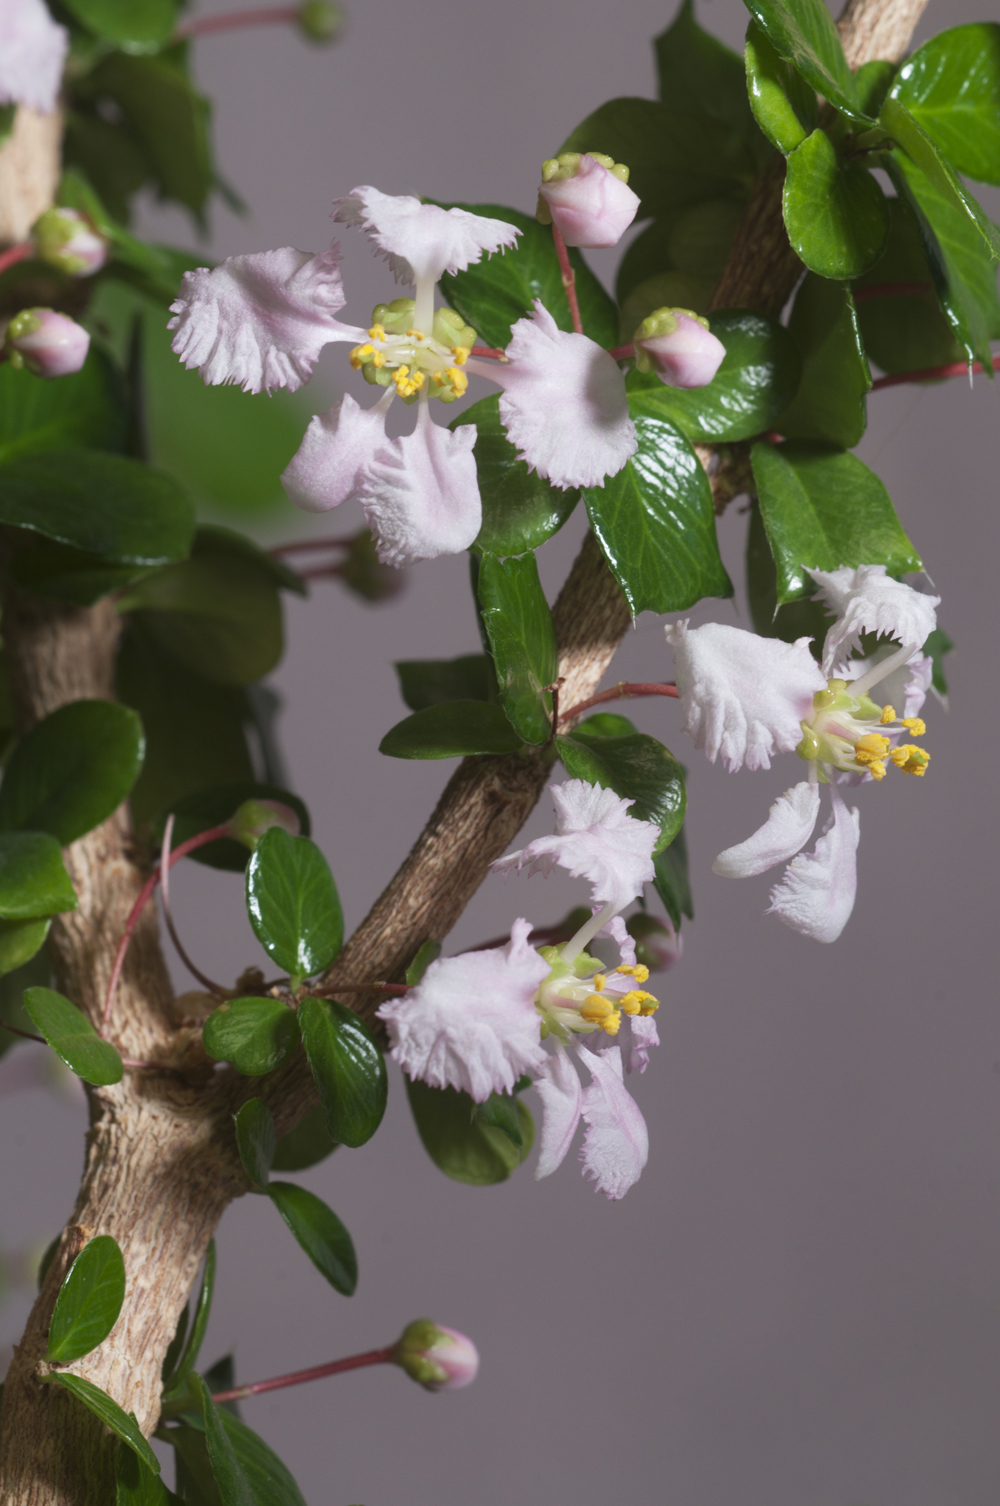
[[34, 971], [925, 155], [86, 408], [655, 523], [256, 1140], [495, 292], [134, 25], [804, 33], [525, 653], [822, 508], [793, 620], [830, 403], [72, 770], [197, 813], [293, 903], [202, 1312], [122, 1424], [234, 1487], [429, 952], [255, 1034], [306, 1145], [89, 1301], [348, 1067], [758, 378], [20, 940], [112, 160], [636, 767], [33, 878], [500, 1112], [951, 87], [905, 332], [430, 682], [671, 881], [452, 729], [783, 104], [701, 76], [873, 81], [73, 1038], [320, 1233], [520, 509], [937, 647], [458, 1141], [135, 1483], [269, 1480], [835, 212]]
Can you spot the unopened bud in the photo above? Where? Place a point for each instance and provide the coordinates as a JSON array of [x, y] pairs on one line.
[[439, 1358], [47, 343], [679, 346], [362, 573], [67, 239], [587, 198], [321, 21], [255, 817], [657, 944]]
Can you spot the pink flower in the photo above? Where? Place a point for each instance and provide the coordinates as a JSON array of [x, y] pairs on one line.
[[67, 239], [616, 1144], [587, 198], [439, 1358], [679, 347], [32, 52], [47, 343]]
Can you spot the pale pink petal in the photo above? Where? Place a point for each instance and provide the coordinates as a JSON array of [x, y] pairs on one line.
[[563, 403], [471, 1021], [689, 357], [616, 1146], [260, 321], [32, 52], [594, 208], [816, 895], [743, 696], [644, 1036], [867, 600], [326, 469], [785, 832], [617, 931], [421, 493], [561, 1092], [422, 240]]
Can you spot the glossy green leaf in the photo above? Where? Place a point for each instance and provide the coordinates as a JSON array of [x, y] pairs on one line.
[[33, 877], [72, 770], [306, 1145], [73, 1038], [636, 767], [937, 647], [655, 523], [830, 403], [701, 76], [33, 972], [269, 1480], [951, 87], [197, 813], [202, 1312], [175, 1348], [794, 619], [783, 104], [293, 903], [500, 1112], [234, 1487], [136, 1484], [63, 574], [452, 729], [758, 378], [348, 1067], [822, 508], [122, 1424], [520, 509], [256, 1140], [671, 882], [905, 332], [20, 940], [518, 623], [87, 408], [835, 212], [459, 1142], [927, 156], [135, 25], [89, 1301], [429, 952], [803, 32], [495, 292], [320, 1233], [255, 1034], [430, 682]]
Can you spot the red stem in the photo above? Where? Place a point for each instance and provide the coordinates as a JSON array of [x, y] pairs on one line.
[[26, 1035], [568, 279], [298, 545], [235, 20], [14, 254], [892, 290], [297, 1377], [168, 832], [489, 350], [619, 692], [623, 352], [927, 374]]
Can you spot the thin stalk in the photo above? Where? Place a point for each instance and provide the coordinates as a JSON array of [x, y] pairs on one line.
[[14, 254], [620, 692], [299, 1377], [927, 374], [578, 943], [168, 832], [623, 352], [891, 290], [568, 279], [491, 351], [236, 20], [302, 545], [127, 1061]]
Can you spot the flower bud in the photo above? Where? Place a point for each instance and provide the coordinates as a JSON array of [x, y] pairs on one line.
[[439, 1358], [255, 817], [321, 21], [657, 944], [679, 346], [67, 239], [362, 573], [587, 198], [49, 344]]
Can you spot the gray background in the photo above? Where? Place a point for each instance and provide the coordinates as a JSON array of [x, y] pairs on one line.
[[798, 1303]]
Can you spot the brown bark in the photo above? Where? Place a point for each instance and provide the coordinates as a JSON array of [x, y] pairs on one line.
[[29, 171]]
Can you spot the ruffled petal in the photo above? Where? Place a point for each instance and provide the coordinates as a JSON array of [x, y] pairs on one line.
[[785, 832], [561, 1092], [616, 1146], [593, 208], [260, 321], [743, 696], [326, 469], [563, 403], [867, 600], [644, 1036], [816, 895], [471, 1021], [422, 240], [616, 930], [421, 493], [32, 53]]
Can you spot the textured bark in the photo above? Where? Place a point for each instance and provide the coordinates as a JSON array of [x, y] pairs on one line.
[[872, 29], [29, 171]]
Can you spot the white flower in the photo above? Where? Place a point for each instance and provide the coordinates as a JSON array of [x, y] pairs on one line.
[[32, 52], [816, 894], [867, 600], [422, 241]]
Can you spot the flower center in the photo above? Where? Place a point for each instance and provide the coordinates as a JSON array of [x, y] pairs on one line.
[[581, 996], [414, 360], [841, 733]]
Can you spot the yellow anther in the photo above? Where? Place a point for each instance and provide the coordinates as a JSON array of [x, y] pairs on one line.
[[458, 379], [641, 973], [888, 715], [439, 377], [377, 332], [650, 1008], [612, 1024], [378, 359], [637, 1001], [874, 744], [915, 725], [626, 968], [911, 759], [876, 768], [416, 334], [461, 354], [360, 354], [596, 1010], [600, 981]]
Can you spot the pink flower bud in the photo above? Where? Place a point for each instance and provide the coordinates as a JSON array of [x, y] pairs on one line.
[[255, 817], [67, 239], [657, 944], [439, 1358], [587, 198], [49, 344], [679, 346], [321, 21]]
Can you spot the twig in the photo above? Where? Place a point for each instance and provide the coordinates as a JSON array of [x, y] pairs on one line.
[[620, 692], [235, 20], [927, 374], [168, 832], [298, 545], [298, 1377], [568, 279]]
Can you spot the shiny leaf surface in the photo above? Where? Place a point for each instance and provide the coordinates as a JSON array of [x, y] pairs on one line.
[[835, 212], [254, 1034], [348, 1067], [72, 770], [520, 509], [89, 1301], [73, 1038], [320, 1233], [453, 729], [518, 623]]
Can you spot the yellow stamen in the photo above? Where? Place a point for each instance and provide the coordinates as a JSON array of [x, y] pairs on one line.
[[626, 968], [641, 973], [360, 354], [378, 359], [377, 332], [600, 981], [911, 759], [461, 354], [416, 334], [596, 1010], [872, 743], [637, 1001], [876, 768], [888, 715], [915, 725], [458, 379], [612, 1024]]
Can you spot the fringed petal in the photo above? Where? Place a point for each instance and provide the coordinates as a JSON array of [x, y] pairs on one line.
[[326, 469], [816, 895], [32, 53], [785, 832], [616, 1146], [421, 493], [561, 1092], [422, 240], [867, 600]]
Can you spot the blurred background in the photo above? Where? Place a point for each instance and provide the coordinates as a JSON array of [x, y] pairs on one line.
[[798, 1305]]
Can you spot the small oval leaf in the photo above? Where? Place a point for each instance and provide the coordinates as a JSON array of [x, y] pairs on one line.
[[123, 1424], [348, 1067], [72, 770], [836, 214], [453, 729], [89, 1301], [306, 1145], [33, 877], [293, 903], [254, 1034], [320, 1233], [73, 1038], [256, 1140], [460, 1142]]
